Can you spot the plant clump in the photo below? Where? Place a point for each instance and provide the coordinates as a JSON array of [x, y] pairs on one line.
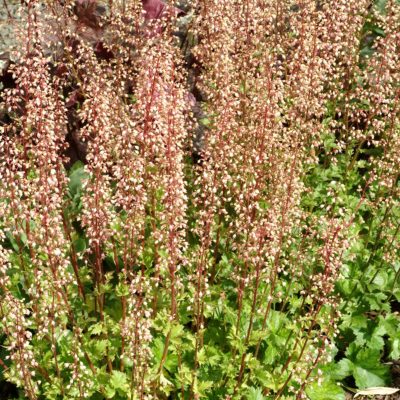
[[200, 200]]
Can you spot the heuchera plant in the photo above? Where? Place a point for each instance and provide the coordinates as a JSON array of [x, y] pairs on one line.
[[150, 272]]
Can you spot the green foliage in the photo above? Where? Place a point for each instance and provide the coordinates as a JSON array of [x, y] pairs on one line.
[[369, 328], [328, 390]]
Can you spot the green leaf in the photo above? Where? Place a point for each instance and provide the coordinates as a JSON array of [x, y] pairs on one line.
[[118, 384], [80, 245], [271, 353], [97, 329], [171, 361], [164, 381], [118, 380], [368, 370], [341, 370], [395, 349], [201, 356], [205, 121], [381, 6], [377, 301], [13, 242], [100, 347], [76, 177], [254, 394], [266, 379], [109, 392], [122, 289], [366, 377], [177, 332], [328, 390], [203, 386]]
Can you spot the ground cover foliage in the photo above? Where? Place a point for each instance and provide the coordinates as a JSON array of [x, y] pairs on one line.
[[201, 200]]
